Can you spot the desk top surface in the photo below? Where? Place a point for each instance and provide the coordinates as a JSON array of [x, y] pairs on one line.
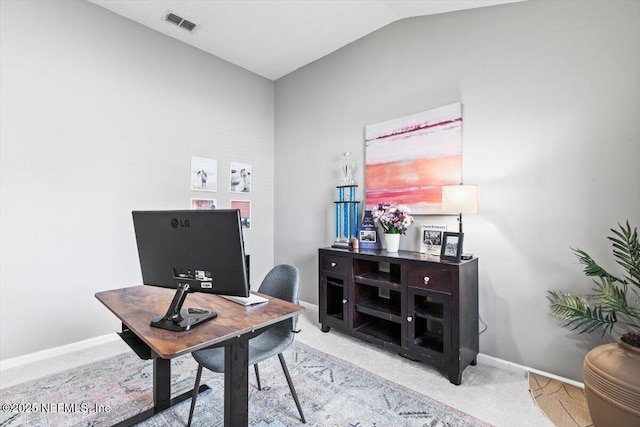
[[136, 306]]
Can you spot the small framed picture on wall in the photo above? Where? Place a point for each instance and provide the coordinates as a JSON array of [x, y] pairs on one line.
[[451, 246], [245, 212], [203, 204], [204, 174], [240, 177]]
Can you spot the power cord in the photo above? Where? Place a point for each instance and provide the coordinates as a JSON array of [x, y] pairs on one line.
[[485, 326]]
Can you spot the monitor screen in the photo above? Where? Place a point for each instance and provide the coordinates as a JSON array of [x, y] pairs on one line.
[[192, 251]]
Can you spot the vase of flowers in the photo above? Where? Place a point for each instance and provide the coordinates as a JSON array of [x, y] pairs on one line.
[[394, 220]]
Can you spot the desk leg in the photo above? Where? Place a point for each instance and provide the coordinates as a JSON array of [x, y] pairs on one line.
[[236, 383], [161, 393], [161, 383]]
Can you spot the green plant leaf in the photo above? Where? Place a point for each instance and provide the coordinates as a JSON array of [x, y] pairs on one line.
[[610, 296], [609, 302], [578, 315], [591, 267], [627, 252]]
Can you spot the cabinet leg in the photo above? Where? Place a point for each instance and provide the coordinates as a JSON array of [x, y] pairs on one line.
[[474, 362], [455, 377], [325, 328]]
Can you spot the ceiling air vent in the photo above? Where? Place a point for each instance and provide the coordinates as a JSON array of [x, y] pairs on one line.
[[179, 21]]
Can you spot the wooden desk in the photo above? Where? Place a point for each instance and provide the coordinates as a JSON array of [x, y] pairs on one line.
[[234, 326]]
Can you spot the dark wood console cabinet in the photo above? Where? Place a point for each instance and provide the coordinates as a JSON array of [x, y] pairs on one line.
[[412, 303]]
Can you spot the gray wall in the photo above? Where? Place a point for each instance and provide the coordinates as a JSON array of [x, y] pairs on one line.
[[551, 100], [100, 116]]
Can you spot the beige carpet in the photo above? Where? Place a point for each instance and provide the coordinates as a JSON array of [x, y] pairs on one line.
[[498, 396], [564, 404], [332, 392]]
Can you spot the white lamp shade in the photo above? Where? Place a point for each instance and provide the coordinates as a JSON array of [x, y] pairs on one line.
[[460, 199]]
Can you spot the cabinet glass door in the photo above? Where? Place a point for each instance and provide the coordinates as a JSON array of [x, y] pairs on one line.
[[333, 307], [429, 324]]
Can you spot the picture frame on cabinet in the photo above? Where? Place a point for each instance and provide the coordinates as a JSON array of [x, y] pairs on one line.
[[369, 236], [451, 246], [431, 238], [368, 233]]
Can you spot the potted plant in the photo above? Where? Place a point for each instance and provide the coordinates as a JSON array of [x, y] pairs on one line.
[[611, 371], [394, 220]]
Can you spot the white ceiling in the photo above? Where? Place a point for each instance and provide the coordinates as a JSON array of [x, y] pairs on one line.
[[273, 38]]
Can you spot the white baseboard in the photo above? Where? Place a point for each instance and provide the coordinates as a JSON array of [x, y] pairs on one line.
[[521, 369], [91, 342], [39, 356]]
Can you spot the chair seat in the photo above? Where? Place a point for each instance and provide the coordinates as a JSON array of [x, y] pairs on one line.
[[266, 345]]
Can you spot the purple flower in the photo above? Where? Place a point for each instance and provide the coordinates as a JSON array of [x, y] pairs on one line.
[[393, 219]]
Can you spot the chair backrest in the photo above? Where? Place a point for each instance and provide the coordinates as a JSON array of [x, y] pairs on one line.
[[283, 282]]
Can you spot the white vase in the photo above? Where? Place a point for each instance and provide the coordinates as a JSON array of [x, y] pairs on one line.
[[393, 242]]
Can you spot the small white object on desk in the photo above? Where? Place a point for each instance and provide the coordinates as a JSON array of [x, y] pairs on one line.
[[250, 300]]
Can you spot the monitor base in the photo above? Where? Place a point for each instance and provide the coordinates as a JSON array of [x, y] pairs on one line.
[[187, 319]]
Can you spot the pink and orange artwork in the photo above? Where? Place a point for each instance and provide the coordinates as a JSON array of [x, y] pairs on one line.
[[409, 159], [244, 206]]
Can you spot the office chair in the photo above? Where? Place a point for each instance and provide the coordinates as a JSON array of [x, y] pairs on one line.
[[281, 282]]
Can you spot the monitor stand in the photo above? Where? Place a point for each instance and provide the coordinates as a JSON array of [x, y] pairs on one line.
[[182, 319]]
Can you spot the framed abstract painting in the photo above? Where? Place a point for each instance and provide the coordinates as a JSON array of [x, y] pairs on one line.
[[409, 159]]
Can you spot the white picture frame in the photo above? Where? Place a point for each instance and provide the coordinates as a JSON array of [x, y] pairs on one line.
[[240, 177], [430, 238], [204, 174]]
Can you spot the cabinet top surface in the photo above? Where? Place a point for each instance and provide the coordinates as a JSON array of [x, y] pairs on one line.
[[400, 255]]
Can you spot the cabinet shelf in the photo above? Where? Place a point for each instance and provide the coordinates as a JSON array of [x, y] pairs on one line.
[[430, 341], [331, 282], [430, 310], [381, 308], [382, 330], [338, 315], [381, 279]]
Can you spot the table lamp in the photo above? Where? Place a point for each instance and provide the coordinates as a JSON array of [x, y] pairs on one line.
[[460, 199]]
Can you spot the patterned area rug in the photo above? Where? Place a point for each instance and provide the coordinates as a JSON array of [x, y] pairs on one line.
[[564, 404], [332, 392]]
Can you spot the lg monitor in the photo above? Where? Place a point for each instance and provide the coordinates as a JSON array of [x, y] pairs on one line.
[[191, 251]]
